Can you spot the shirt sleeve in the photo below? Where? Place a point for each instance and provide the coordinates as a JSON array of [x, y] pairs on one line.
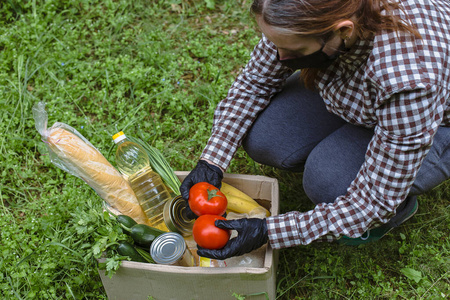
[[407, 123], [262, 77]]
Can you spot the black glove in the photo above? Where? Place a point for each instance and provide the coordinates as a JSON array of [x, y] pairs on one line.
[[203, 172], [252, 234]]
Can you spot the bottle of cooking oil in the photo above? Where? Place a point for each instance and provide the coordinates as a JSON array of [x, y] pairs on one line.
[[152, 194]]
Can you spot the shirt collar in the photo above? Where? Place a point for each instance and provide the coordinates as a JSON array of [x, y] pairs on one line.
[[357, 54]]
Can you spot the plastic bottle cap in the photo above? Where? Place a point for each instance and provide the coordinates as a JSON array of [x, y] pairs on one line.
[[119, 137]]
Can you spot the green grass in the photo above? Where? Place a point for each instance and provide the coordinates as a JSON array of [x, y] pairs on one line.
[[159, 67]]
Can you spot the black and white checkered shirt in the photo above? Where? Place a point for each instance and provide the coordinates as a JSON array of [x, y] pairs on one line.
[[397, 84]]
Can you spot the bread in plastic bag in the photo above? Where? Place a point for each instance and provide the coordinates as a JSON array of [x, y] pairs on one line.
[[73, 153]]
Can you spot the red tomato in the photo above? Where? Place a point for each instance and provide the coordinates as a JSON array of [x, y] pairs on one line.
[[206, 199], [207, 235]]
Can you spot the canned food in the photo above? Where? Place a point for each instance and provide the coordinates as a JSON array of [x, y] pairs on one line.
[[175, 216], [170, 249]]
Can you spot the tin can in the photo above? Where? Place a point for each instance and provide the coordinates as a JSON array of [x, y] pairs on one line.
[[175, 216], [170, 249]]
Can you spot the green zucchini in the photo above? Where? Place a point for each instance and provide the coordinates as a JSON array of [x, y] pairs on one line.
[[126, 249], [126, 221], [144, 235]]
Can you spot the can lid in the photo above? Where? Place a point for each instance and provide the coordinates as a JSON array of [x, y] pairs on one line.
[[119, 137], [175, 216], [168, 248]]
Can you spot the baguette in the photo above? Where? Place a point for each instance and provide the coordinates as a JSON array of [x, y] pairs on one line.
[[90, 165]]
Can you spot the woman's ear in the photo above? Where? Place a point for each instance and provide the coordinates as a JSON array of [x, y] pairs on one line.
[[345, 29]]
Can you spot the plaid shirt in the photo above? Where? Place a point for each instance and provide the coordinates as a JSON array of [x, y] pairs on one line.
[[395, 83]]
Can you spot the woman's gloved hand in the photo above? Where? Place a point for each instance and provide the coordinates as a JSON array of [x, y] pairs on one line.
[[203, 172], [252, 234]]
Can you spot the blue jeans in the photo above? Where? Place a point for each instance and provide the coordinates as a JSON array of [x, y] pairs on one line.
[[296, 132]]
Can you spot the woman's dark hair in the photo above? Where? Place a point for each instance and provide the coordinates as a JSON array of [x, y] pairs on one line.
[[319, 17]]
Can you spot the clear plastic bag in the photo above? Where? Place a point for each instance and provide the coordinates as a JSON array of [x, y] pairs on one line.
[[73, 153]]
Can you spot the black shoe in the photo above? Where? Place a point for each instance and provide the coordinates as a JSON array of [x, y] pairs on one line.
[[377, 233]]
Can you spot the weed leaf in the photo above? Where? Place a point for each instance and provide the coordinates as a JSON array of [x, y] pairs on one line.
[[412, 274]]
